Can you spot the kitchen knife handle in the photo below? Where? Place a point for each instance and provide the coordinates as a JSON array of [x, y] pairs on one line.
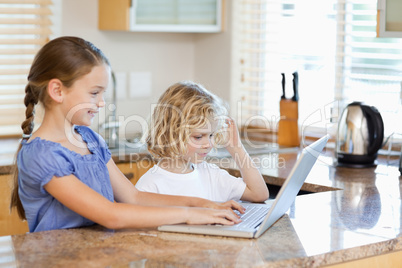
[[283, 86], [295, 86]]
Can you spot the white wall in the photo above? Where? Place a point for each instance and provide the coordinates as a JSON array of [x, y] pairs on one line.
[[169, 57], [212, 65]]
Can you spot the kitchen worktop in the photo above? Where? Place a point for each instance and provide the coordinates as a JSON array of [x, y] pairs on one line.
[[353, 214]]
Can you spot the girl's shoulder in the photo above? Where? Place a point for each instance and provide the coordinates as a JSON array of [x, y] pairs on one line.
[[39, 144], [88, 133], [39, 157], [92, 138], [43, 148], [39, 149]]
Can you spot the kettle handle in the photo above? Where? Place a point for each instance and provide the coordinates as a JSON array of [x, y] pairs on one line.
[[377, 134]]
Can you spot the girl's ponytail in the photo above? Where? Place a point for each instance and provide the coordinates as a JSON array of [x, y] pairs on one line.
[[30, 101], [27, 126]]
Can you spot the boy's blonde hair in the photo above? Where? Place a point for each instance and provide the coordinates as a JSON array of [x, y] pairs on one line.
[[184, 106]]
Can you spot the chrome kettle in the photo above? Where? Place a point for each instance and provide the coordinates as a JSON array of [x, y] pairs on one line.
[[360, 135]]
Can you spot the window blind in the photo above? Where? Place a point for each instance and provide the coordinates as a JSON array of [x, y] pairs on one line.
[[24, 28], [370, 68], [332, 45]]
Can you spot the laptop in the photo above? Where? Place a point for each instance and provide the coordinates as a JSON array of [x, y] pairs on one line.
[[263, 215]]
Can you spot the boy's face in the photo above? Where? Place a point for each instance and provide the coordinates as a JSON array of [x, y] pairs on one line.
[[201, 142]]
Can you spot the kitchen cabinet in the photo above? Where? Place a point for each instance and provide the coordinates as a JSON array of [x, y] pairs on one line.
[[389, 260], [10, 223], [192, 16], [389, 18]]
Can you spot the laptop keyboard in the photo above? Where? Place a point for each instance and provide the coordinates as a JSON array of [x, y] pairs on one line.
[[253, 216]]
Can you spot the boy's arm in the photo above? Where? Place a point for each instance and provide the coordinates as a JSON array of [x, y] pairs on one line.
[[256, 189], [125, 192]]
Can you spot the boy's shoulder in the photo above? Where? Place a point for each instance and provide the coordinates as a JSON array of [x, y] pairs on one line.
[[153, 172], [209, 167], [206, 164]]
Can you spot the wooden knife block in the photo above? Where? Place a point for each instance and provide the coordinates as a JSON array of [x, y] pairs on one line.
[[288, 129]]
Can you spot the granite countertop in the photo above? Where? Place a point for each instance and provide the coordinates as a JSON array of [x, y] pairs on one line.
[[353, 214]]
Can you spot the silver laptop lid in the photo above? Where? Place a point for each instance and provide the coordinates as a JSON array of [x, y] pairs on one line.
[[293, 183]]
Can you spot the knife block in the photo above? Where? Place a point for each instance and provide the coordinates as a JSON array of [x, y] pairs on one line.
[[288, 129]]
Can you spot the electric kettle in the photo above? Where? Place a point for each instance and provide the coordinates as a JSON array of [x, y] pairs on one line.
[[360, 135]]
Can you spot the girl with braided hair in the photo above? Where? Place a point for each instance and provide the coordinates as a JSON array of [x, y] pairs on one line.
[[65, 175]]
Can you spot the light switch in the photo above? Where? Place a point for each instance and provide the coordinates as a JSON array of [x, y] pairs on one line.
[[140, 84]]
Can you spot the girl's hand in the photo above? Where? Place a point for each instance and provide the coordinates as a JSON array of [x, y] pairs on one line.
[[211, 216], [228, 205]]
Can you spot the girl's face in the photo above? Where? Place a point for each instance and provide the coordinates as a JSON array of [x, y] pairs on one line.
[[200, 142], [84, 98]]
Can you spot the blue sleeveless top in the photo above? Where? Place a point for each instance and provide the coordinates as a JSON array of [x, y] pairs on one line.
[[40, 160]]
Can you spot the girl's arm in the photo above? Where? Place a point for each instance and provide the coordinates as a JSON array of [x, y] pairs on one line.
[[125, 192], [256, 189], [77, 196]]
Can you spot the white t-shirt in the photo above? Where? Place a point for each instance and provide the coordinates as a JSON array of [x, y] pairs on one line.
[[206, 181]]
